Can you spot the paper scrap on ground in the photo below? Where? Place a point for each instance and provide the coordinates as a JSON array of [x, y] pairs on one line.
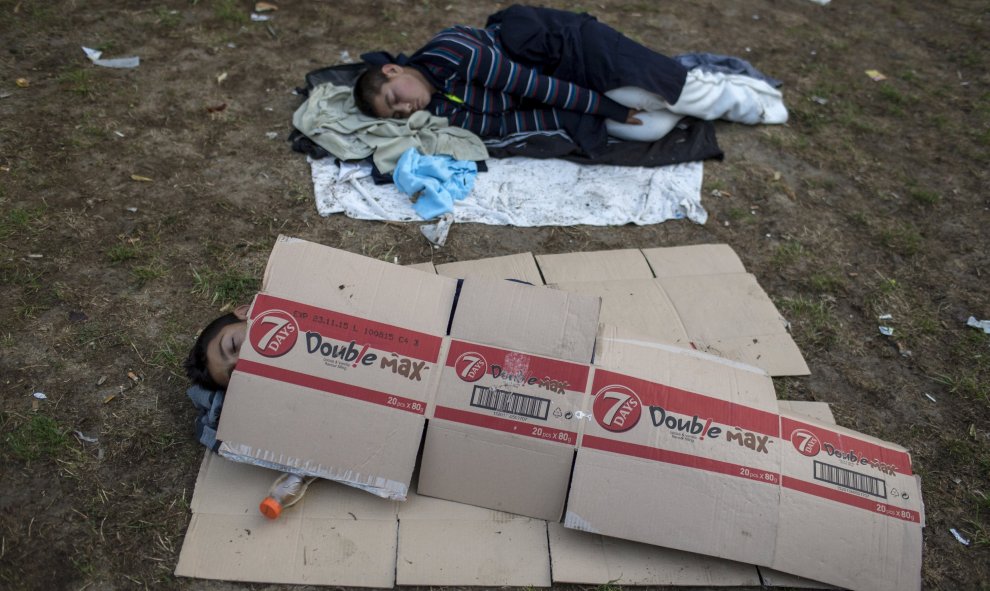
[[983, 325], [530, 192], [123, 62]]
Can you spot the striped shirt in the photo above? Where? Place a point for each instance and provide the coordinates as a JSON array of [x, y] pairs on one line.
[[482, 90]]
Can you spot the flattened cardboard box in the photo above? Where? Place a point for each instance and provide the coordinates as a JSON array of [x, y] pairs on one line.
[[335, 535], [624, 478], [696, 296], [339, 536], [341, 358], [685, 455], [503, 428]]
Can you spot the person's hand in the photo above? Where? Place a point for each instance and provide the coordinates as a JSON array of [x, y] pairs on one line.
[[631, 117]]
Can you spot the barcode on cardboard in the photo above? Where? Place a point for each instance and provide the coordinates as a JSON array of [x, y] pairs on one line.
[[849, 479], [510, 402]]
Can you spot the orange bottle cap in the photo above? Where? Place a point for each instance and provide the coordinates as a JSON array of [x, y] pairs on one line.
[[270, 508]]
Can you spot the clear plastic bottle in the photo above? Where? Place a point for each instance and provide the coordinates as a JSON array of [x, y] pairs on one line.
[[286, 491]]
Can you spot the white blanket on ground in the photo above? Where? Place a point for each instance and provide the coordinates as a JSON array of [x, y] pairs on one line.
[[530, 192]]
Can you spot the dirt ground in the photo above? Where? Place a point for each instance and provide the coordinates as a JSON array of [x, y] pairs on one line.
[[135, 205]]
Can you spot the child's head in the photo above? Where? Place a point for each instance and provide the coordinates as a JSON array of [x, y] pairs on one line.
[[217, 349], [392, 91]]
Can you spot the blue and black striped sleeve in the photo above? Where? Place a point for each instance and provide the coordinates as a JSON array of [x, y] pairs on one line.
[[489, 67]]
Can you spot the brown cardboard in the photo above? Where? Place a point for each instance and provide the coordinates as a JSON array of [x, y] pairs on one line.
[[735, 320], [690, 452], [425, 267], [649, 467], [503, 430], [870, 527], [730, 315], [512, 315], [445, 543], [724, 472], [692, 296], [820, 411], [495, 470], [520, 267], [335, 536], [602, 265], [590, 559], [635, 308], [698, 259], [726, 315], [341, 358], [503, 427], [439, 543], [775, 578]]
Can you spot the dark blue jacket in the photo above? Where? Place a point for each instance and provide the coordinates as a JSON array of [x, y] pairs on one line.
[[577, 48]]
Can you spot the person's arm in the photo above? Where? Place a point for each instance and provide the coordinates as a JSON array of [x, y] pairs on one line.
[[486, 66], [490, 67]]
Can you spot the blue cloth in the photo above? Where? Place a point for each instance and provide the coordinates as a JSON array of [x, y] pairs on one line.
[[209, 403], [726, 64], [436, 181]]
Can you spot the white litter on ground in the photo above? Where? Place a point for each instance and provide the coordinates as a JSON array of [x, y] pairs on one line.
[[94, 56], [530, 192]]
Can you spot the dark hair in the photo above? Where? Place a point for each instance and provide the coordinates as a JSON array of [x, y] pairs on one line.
[[366, 87], [195, 363]]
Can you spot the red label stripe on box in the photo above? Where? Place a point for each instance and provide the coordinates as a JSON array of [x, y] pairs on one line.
[[506, 425], [830, 443], [513, 366], [346, 328], [331, 387], [691, 404], [852, 500], [680, 459]]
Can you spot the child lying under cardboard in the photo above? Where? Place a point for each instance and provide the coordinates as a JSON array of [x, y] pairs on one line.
[[209, 365]]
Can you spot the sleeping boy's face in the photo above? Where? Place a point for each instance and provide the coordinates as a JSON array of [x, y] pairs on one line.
[[403, 93], [224, 349]]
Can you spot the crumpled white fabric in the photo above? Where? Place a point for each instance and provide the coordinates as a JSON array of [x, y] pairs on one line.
[[529, 192]]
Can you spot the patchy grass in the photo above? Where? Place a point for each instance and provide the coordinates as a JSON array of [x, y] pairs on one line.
[[970, 377], [20, 220], [828, 281], [170, 353], [143, 274], [788, 253], [914, 317], [37, 437], [167, 17], [121, 253], [812, 322], [924, 197], [78, 80], [904, 239], [227, 287], [231, 11]]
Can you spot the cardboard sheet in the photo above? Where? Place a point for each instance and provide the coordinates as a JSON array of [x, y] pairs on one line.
[[760, 480], [521, 267], [605, 265], [697, 296], [334, 336], [336, 535], [349, 538], [446, 543], [670, 446], [591, 559]]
